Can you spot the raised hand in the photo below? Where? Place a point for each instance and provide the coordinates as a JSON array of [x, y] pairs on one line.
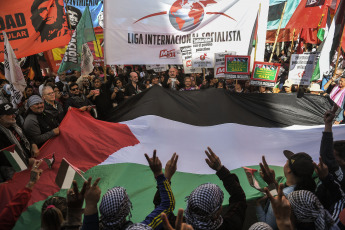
[[213, 160], [321, 169], [92, 196], [179, 225], [75, 198], [155, 164], [267, 174], [281, 208], [329, 115], [171, 166]]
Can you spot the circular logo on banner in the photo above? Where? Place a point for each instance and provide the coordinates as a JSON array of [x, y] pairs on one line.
[[186, 16]]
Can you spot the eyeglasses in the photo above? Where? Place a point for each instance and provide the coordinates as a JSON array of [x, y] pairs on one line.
[[74, 89]]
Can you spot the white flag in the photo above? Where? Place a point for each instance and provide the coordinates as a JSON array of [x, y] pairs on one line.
[[13, 73], [86, 60]]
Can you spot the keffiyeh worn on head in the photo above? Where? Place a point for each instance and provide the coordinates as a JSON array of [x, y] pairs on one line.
[[260, 226], [202, 204], [307, 208], [139, 226], [114, 208]]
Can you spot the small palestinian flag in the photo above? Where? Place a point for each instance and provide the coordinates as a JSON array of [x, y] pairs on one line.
[[50, 161], [66, 173], [18, 162], [255, 179]]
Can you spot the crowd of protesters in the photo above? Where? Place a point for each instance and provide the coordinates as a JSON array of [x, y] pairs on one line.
[[300, 203]]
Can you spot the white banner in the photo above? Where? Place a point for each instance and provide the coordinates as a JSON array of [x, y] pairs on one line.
[[13, 73], [302, 68], [153, 31], [219, 63]]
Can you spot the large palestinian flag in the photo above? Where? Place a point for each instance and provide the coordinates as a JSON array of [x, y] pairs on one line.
[[240, 128]]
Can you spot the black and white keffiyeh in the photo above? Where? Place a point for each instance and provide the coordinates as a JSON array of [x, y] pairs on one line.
[[139, 226], [307, 209], [260, 226], [114, 208], [202, 205]]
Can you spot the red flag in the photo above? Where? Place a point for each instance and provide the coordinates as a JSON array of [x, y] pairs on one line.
[[85, 154], [308, 15], [33, 26]]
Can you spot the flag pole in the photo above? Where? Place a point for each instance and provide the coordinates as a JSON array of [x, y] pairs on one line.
[[277, 33], [339, 51], [292, 42], [256, 40]]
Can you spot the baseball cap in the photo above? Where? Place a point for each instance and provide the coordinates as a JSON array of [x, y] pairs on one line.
[[7, 109], [301, 164]]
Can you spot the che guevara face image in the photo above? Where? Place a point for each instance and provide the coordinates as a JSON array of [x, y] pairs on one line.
[[47, 18], [74, 15]]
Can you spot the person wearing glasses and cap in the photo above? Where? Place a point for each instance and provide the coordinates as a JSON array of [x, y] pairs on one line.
[[10, 134]]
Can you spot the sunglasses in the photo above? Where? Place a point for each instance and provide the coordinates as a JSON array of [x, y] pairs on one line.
[[74, 89]]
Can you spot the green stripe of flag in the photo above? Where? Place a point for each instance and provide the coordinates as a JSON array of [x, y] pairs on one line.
[[321, 34], [316, 73], [141, 187]]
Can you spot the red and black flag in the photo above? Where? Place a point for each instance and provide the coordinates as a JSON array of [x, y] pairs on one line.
[[33, 26]]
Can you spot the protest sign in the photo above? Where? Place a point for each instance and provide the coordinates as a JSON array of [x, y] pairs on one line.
[[237, 67], [33, 26], [219, 63], [201, 55], [264, 74], [153, 31], [186, 53], [237, 64], [203, 60], [302, 67], [157, 68]]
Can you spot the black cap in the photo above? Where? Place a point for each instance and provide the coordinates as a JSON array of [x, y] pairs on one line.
[[7, 109], [153, 76], [301, 164]]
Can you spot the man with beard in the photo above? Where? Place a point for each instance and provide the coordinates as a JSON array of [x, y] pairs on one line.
[[10, 134], [74, 16], [39, 126], [48, 20], [133, 87]]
